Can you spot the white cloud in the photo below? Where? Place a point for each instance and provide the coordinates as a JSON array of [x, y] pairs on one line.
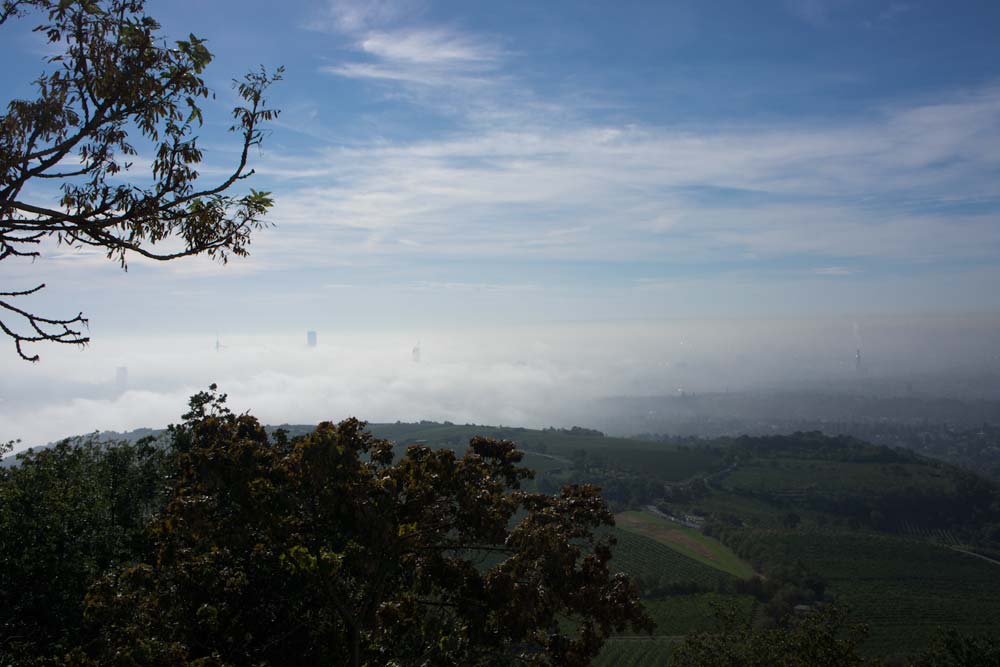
[[356, 15], [434, 286], [428, 47], [521, 176], [895, 10], [580, 191], [438, 75], [816, 12], [834, 271], [550, 189], [405, 53]]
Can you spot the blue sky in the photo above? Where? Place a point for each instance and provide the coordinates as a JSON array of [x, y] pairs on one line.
[[526, 161], [472, 174]]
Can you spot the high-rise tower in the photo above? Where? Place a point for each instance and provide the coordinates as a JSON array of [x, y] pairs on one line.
[[121, 378]]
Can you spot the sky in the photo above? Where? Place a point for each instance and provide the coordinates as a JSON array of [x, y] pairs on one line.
[[453, 165]]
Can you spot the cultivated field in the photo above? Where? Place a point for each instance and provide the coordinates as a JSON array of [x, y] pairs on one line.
[[687, 541]]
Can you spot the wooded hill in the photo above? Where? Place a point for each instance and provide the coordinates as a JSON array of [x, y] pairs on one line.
[[769, 528]]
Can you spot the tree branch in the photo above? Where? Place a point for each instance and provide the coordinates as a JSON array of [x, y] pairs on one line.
[[42, 328], [117, 77]]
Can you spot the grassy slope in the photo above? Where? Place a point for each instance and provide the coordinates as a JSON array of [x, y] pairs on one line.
[[647, 559], [674, 617], [636, 652], [686, 541]]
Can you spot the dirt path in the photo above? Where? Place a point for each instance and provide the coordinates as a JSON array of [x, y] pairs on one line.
[[653, 509], [551, 457], [973, 553]]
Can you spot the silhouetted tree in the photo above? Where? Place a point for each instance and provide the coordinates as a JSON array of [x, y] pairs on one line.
[[67, 514], [115, 76], [321, 550]]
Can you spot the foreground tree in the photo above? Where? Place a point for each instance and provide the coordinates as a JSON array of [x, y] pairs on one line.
[[114, 76], [68, 514], [322, 550]]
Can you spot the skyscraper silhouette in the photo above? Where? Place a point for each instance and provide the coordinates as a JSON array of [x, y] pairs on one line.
[[121, 378]]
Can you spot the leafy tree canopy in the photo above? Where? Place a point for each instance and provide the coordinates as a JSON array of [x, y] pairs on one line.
[[323, 550], [68, 514]]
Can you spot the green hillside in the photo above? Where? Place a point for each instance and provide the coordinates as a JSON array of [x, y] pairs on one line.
[[686, 541], [653, 563], [904, 589], [822, 519]]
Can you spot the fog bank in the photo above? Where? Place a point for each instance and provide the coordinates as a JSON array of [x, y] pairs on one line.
[[518, 375]]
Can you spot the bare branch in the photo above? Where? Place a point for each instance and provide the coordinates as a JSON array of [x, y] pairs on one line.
[[42, 328]]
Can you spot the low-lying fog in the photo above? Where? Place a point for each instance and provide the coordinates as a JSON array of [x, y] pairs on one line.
[[520, 375]]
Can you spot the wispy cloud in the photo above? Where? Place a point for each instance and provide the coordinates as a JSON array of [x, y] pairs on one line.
[[911, 183], [357, 15], [427, 285], [429, 47], [516, 174], [895, 10], [404, 52], [815, 12], [874, 188], [834, 271], [819, 13], [437, 75]]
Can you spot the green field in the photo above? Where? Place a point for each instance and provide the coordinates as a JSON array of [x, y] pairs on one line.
[[795, 476], [458, 435], [903, 589], [753, 510], [635, 652], [657, 460], [647, 560], [686, 614], [675, 617], [686, 541]]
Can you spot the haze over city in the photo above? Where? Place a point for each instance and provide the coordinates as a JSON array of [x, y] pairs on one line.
[[528, 375]]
